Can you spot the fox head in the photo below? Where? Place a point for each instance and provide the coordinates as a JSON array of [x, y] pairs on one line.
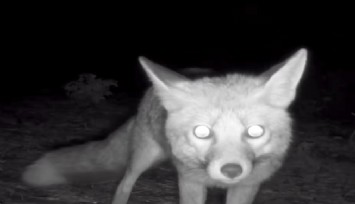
[[229, 127]]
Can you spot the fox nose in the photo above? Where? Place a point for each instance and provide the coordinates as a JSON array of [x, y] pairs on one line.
[[231, 170]]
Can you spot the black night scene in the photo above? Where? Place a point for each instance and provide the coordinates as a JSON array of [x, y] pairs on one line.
[[71, 75]]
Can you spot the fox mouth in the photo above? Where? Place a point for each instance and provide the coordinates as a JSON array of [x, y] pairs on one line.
[[230, 173], [260, 159], [234, 174]]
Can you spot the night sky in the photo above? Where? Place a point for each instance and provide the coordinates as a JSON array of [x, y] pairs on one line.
[[48, 44]]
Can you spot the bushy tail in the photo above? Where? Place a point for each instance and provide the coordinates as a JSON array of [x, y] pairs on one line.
[[96, 161]]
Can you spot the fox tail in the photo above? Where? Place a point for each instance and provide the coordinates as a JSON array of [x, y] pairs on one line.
[[96, 161]]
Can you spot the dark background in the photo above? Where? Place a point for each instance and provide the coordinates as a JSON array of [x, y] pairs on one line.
[[46, 45]]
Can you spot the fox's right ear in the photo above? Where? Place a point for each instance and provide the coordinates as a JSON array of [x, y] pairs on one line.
[[283, 79], [161, 76], [168, 85]]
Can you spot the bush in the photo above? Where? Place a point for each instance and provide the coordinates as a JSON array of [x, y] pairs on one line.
[[89, 89]]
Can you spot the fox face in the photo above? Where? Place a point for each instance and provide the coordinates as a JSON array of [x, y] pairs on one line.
[[227, 130], [225, 135]]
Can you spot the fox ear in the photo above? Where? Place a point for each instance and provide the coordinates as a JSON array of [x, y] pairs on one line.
[[167, 84], [160, 76], [283, 79]]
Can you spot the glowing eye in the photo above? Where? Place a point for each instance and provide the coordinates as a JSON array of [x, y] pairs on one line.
[[202, 131], [256, 131]]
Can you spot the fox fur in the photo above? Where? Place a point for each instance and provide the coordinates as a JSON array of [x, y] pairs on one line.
[[230, 131]]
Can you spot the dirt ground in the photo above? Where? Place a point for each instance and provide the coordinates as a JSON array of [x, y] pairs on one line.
[[319, 170]]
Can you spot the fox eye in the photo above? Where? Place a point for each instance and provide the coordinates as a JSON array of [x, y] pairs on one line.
[[255, 131], [202, 131]]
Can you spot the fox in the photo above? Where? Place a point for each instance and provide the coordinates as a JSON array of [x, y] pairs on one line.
[[231, 131]]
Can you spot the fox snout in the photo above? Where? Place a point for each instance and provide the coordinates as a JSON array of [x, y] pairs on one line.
[[230, 166], [232, 170]]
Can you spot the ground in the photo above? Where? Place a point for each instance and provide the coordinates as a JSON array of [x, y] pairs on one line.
[[319, 170]]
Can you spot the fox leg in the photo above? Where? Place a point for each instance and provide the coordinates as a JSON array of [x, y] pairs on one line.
[[191, 192], [242, 194], [143, 157]]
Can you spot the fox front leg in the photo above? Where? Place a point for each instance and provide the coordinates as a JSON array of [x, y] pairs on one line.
[[143, 157], [124, 189], [191, 192], [243, 194]]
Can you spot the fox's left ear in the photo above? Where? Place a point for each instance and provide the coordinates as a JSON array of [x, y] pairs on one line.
[[168, 85], [280, 88]]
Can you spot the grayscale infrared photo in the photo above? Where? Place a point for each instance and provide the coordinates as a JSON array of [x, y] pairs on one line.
[[250, 102]]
